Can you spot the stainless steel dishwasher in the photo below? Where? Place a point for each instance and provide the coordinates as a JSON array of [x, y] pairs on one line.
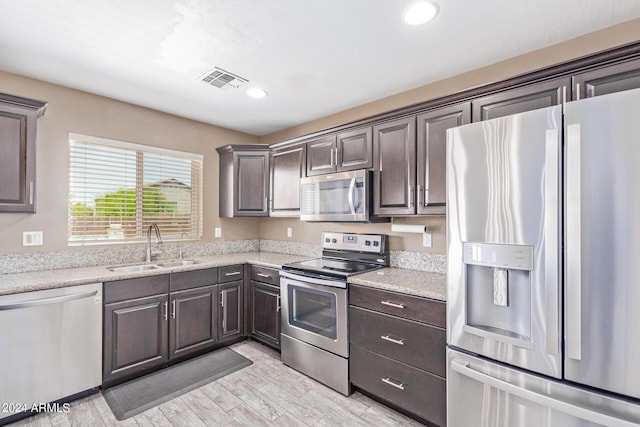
[[50, 347]]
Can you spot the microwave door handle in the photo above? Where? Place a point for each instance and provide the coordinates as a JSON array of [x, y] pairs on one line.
[[352, 187]]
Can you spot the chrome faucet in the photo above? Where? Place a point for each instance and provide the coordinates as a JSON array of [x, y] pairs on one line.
[[180, 252], [158, 241]]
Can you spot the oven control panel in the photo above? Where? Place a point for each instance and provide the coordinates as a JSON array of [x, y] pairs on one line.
[[373, 243]]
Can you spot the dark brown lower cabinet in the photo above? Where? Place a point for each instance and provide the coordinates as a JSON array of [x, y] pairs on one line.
[[402, 385], [231, 310], [194, 321], [136, 337], [397, 345], [265, 319], [264, 305], [153, 321]]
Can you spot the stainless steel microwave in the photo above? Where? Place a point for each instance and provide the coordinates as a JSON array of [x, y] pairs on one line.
[[343, 196]]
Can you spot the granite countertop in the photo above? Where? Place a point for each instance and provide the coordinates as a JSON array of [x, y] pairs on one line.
[[412, 282], [49, 279]]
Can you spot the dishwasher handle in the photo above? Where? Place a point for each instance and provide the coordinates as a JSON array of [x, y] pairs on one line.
[[47, 301]]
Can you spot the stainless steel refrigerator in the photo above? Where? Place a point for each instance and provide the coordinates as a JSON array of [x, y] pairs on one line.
[[543, 294]]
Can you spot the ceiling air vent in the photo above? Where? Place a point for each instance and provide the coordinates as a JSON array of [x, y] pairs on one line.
[[222, 79]]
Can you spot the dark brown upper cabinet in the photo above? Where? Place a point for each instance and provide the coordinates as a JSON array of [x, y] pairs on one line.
[[394, 173], [349, 150], [320, 155], [354, 149], [244, 180], [521, 99], [431, 168], [288, 165], [610, 79], [18, 118]]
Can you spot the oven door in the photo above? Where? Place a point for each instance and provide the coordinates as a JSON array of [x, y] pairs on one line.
[[315, 311]]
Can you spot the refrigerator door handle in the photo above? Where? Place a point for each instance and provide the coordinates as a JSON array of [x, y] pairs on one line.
[[552, 240], [573, 247], [539, 398]]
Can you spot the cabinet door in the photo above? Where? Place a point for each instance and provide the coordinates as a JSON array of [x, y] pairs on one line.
[[355, 149], [193, 326], [321, 153], [251, 183], [17, 161], [288, 165], [527, 98], [135, 337], [265, 313], [432, 143], [194, 320], [230, 310], [614, 78], [394, 155]]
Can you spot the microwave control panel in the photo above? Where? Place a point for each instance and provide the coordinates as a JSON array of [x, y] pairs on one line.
[[374, 243]]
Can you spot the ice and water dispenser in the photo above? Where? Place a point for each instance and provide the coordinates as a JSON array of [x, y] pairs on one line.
[[498, 291]]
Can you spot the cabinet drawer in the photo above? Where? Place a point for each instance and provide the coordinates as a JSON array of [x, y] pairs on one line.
[[193, 279], [230, 273], [414, 343], [407, 306], [265, 275], [412, 389], [121, 290]]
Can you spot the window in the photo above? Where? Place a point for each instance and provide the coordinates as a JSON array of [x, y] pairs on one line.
[[118, 189]]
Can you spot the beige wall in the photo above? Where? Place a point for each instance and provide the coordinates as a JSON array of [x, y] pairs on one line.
[[618, 35], [75, 111]]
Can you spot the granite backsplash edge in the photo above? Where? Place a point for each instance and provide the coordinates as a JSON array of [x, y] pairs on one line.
[[23, 262]]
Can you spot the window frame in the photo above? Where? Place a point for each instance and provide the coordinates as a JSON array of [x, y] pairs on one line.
[[196, 218]]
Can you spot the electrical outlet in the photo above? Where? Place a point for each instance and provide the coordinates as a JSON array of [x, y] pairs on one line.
[[32, 238], [218, 232], [289, 232], [426, 240]]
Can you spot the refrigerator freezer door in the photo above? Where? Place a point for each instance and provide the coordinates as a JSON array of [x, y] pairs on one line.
[[602, 274], [483, 393], [503, 199]]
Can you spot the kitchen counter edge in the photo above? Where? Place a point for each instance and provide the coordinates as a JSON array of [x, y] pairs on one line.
[[14, 283], [411, 282]]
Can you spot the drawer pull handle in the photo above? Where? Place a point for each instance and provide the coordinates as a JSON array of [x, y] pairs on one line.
[[235, 273], [264, 275], [393, 340], [393, 383], [392, 304]]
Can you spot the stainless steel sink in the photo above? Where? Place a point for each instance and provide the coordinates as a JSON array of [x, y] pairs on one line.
[[178, 263], [133, 268]]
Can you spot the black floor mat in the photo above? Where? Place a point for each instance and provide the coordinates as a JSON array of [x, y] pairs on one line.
[[136, 396]]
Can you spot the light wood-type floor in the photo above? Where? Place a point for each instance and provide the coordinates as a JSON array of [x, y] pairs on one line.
[[266, 393]]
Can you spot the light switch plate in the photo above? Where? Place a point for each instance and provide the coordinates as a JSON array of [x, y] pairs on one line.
[[289, 232], [426, 240], [32, 238], [218, 232]]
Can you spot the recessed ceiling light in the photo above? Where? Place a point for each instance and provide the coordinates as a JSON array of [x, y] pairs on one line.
[[256, 92], [421, 12]]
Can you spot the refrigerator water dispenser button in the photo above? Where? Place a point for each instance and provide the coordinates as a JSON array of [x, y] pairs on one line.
[[500, 287]]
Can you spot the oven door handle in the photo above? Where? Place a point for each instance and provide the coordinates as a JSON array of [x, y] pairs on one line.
[[314, 280]]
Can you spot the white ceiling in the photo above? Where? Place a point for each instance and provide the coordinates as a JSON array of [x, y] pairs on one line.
[[314, 57]]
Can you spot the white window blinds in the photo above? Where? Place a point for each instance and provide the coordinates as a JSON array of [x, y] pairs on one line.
[[118, 189]]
